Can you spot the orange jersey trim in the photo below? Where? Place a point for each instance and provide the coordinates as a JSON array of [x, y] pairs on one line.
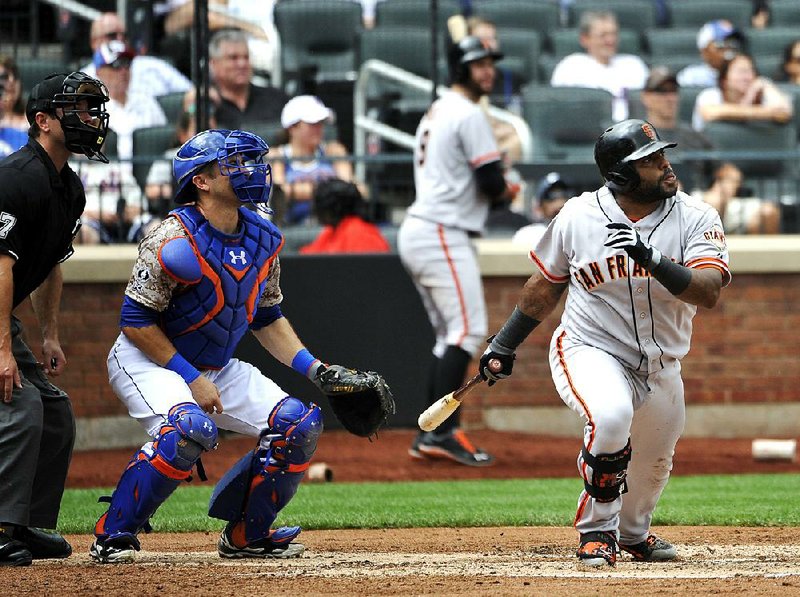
[[454, 273], [550, 276], [485, 159], [262, 275]]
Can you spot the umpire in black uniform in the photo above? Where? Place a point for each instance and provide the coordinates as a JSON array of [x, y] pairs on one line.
[[41, 201]]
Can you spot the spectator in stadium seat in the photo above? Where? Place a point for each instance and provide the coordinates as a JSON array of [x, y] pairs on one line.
[[660, 98], [761, 14], [340, 208], [600, 66], [741, 95], [13, 122], [790, 67], [552, 194], [237, 100], [149, 75], [741, 213], [129, 110], [717, 41], [305, 160]]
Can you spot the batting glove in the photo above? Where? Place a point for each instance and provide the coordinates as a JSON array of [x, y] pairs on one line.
[[500, 354], [622, 236]]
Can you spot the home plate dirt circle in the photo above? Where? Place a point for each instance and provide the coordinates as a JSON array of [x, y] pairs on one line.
[[473, 561]]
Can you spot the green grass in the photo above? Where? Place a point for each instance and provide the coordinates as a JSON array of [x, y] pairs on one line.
[[744, 500]]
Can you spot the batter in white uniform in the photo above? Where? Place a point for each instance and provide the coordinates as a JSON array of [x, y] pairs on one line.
[[638, 257], [457, 172]]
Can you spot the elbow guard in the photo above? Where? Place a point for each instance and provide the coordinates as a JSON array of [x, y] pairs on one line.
[[491, 181]]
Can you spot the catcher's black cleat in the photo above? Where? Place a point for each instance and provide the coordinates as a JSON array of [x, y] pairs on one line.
[[43, 544], [278, 545], [13, 552], [452, 445], [598, 549], [652, 549], [119, 550]]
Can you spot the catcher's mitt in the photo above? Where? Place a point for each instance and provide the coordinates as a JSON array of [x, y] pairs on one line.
[[361, 400]]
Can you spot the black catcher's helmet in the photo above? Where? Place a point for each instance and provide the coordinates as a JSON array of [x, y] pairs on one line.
[[467, 50], [621, 144], [65, 91]]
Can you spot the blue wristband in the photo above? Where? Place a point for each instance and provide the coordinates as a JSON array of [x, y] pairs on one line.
[[303, 361], [183, 368]]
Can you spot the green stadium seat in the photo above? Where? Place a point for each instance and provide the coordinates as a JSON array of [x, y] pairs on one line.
[[784, 12], [770, 41], [172, 105], [413, 13], [755, 138], [149, 144], [33, 70], [404, 47], [541, 16], [319, 35], [694, 13], [664, 43], [522, 50], [565, 121]]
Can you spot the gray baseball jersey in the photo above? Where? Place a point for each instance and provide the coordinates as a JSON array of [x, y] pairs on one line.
[[453, 139], [613, 303]]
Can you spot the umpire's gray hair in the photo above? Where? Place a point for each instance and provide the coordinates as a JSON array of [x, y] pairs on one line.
[[231, 36], [590, 17]]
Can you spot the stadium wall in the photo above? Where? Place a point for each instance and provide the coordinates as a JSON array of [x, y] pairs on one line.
[[742, 375]]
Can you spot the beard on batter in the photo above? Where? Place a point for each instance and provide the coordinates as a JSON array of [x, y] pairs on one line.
[[657, 191]]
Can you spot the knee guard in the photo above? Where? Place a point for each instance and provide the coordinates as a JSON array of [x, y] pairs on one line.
[[607, 480], [257, 487], [157, 469]]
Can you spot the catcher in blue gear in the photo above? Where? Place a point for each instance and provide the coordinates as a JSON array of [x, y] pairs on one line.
[[203, 278]]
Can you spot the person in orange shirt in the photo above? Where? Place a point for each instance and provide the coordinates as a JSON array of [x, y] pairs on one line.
[[339, 206]]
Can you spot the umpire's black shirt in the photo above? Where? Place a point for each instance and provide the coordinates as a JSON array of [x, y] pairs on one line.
[[40, 212]]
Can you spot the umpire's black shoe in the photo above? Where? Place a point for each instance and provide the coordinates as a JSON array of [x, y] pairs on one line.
[[43, 544], [13, 552], [452, 445]]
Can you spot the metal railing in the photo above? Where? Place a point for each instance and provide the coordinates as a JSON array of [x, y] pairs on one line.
[[365, 125]]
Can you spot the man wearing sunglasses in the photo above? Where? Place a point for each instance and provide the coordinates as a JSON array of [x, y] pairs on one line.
[[149, 75]]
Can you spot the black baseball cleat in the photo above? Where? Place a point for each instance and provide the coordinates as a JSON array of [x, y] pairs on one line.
[[652, 549], [278, 545], [598, 548], [117, 550], [452, 445], [13, 552], [43, 544]]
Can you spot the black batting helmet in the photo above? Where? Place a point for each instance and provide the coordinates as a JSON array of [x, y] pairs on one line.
[[469, 49], [622, 144]]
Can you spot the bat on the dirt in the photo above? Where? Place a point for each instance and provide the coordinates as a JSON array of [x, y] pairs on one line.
[[436, 413]]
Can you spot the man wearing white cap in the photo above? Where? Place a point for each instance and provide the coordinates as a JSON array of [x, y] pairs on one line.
[[307, 156], [717, 42]]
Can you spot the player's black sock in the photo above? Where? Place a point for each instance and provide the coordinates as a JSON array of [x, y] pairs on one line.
[[450, 373]]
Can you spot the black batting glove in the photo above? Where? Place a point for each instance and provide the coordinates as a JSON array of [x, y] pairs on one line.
[[496, 362], [622, 236]]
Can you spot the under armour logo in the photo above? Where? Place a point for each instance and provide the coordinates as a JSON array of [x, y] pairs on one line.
[[207, 426], [237, 258]]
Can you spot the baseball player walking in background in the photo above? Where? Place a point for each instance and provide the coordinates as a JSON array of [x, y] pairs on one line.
[[457, 174], [638, 257], [204, 277], [41, 202]]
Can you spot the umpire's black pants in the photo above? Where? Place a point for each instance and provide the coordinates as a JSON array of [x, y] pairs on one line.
[[37, 432]]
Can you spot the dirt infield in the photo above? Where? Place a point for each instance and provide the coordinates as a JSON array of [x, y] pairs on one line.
[[460, 561], [486, 561]]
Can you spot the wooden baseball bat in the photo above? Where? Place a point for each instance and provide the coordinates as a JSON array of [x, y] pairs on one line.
[[436, 413]]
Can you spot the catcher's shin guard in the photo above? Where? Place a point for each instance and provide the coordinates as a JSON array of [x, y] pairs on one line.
[[608, 473], [257, 487], [157, 469]]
